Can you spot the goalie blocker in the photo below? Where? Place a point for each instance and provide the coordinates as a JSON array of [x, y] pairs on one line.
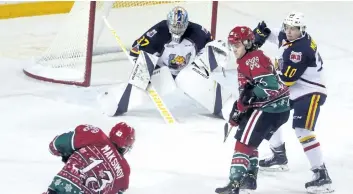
[[195, 80]]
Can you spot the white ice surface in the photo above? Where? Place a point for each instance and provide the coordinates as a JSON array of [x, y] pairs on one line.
[[188, 158]]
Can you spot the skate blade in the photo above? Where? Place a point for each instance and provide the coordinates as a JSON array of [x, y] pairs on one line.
[[246, 191], [275, 168], [320, 190]]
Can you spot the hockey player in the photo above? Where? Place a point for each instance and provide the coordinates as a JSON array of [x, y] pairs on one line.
[[301, 70], [174, 53], [262, 107], [176, 41], [94, 162]]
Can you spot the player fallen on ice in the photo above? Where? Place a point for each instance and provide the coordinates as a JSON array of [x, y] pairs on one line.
[[262, 107], [94, 162], [300, 66], [174, 53]]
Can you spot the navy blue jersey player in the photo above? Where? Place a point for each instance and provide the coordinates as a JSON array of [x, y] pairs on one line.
[[184, 57], [301, 67], [176, 41]]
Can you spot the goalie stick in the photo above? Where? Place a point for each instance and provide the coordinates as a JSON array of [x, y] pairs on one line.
[[152, 93]]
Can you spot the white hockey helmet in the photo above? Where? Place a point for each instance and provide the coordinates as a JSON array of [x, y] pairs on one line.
[[295, 19]]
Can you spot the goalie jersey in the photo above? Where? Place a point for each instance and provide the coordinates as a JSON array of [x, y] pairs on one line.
[[300, 64], [176, 55]]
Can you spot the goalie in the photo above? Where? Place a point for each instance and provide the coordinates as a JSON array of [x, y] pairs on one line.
[[174, 53], [175, 41]]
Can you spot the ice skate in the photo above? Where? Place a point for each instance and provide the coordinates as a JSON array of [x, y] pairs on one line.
[[321, 182], [277, 162]]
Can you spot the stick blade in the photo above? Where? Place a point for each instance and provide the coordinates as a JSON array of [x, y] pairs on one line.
[[226, 132]]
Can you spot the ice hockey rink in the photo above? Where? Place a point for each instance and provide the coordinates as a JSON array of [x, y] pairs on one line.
[[189, 157]]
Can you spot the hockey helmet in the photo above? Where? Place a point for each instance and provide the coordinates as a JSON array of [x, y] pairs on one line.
[[295, 19], [242, 34], [123, 136], [177, 20]]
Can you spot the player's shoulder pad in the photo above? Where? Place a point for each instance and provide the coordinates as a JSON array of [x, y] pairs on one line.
[[158, 31], [309, 44], [259, 53], [152, 40], [306, 45], [301, 50], [90, 134], [198, 35], [87, 128], [264, 60]]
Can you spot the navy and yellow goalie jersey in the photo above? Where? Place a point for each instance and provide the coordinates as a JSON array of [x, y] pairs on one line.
[[300, 64], [176, 55]]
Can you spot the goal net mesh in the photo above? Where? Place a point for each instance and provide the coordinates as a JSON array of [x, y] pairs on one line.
[[67, 59]]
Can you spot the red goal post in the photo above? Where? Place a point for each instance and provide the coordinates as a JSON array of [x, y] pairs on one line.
[[82, 41]]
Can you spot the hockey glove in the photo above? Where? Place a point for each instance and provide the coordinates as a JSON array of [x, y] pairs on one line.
[[65, 158], [120, 192], [53, 149], [235, 115], [247, 97], [235, 119], [261, 33]]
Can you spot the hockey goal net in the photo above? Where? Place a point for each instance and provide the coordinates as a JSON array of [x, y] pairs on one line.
[[83, 43]]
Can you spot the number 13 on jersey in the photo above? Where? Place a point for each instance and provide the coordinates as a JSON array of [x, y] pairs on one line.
[[102, 182]]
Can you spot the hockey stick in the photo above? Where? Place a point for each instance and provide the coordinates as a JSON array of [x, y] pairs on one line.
[[152, 93], [227, 131]]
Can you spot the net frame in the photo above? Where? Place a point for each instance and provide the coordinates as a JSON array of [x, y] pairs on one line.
[[87, 74]]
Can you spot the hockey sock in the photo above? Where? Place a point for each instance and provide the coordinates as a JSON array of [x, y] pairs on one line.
[[276, 139], [240, 161], [254, 161], [311, 146]]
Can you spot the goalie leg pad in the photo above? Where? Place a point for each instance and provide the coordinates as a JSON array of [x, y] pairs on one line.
[[196, 83], [227, 107], [119, 100], [143, 70], [163, 81]]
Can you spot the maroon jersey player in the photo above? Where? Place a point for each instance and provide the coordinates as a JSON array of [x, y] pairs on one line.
[[94, 162], [262, 107]]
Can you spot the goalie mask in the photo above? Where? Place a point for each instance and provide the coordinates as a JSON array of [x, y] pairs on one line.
[[177, 21], [123, 137]]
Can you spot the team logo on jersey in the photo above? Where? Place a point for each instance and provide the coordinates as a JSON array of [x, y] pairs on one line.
[[295, 57], [177, 61], [253, 62], [151, 33]]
